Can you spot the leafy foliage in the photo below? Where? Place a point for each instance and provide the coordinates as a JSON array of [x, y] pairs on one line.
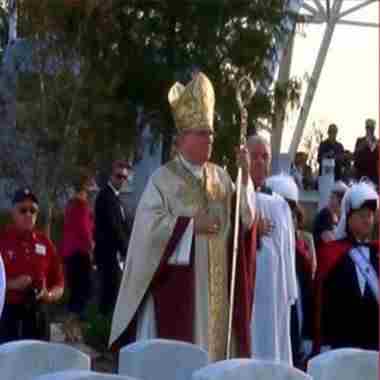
[[95, 62], [97, 331], [158, 42]]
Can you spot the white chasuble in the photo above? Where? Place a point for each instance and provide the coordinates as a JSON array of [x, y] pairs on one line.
[[172, 192]]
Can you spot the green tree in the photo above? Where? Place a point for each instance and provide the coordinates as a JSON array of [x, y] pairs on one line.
[[158, 42], [48, 144], [94, 62], [137, 49]]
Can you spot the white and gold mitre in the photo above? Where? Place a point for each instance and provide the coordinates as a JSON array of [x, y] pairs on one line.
[[193, 106]]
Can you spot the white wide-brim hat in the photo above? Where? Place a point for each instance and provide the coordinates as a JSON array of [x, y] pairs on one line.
[[284, 185], [354, 199]]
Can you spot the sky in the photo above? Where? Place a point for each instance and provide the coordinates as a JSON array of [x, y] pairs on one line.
[[348, 89]]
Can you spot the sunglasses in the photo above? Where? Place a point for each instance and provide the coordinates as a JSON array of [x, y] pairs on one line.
[[30, 210], [121, 176]]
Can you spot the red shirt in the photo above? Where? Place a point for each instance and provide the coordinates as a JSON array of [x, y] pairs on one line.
[[78, 228], [32, 254], [303, 257]]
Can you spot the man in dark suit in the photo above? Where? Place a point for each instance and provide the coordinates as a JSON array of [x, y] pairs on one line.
[[111, 236], [366, 154]]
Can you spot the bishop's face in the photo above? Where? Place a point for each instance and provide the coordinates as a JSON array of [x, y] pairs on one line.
[[260, 162], [196, 145]]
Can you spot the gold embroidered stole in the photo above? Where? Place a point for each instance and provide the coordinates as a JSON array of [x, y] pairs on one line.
[[211, 194]]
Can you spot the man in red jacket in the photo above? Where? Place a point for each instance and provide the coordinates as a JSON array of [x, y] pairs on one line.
[[33, 272]]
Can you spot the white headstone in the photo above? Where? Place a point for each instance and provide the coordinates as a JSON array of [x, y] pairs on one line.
[[249, 369], [81, 375], [346, 363], [26, 359], [160, 359]]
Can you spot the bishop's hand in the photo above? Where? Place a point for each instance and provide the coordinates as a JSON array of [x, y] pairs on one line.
[[205, 224]]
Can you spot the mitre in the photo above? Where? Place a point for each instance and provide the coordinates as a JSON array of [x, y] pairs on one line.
[[193, 105]]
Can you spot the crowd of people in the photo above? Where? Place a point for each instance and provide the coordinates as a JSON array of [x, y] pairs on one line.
[[348, 166], [38, 272], [291, 286]]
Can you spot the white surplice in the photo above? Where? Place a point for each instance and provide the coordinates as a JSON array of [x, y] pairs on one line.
[[276, 284]]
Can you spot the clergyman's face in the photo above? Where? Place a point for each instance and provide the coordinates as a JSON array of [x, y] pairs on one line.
[[260, 162]]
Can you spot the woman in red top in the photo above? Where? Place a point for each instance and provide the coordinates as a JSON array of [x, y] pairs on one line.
[[77, 249], [33, 272]]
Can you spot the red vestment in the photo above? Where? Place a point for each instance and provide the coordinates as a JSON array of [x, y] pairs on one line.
[[173, 291]]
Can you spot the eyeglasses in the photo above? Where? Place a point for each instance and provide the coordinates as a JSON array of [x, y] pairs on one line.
[[30, 210]]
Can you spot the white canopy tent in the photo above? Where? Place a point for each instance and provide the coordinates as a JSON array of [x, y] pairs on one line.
[[328, 12]]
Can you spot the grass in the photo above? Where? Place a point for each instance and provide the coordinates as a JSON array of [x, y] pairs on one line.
[[97, 330]]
